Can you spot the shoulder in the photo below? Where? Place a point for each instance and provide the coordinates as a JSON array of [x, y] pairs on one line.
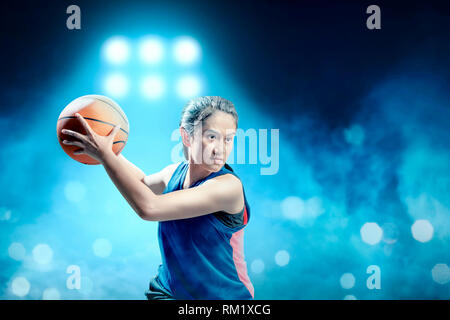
[[228, 179], [230, 188]]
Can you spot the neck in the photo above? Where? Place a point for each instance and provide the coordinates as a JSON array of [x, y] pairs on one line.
[[194, 173]]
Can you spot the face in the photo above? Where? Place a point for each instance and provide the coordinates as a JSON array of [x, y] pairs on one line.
[[213, 141]]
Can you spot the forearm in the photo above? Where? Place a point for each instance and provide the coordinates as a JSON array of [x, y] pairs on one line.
[[137, 194], [131, 168]]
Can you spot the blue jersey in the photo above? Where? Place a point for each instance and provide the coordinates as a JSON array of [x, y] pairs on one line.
[[203, 257]]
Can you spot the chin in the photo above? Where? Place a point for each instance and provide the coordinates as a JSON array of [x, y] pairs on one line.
[[216, 166]]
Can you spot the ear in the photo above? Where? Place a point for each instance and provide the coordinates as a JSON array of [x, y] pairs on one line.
[[185, 137]]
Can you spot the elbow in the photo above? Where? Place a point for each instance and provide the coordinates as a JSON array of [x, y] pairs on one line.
[[147, 213]]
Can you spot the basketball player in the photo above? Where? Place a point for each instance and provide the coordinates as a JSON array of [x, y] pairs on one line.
[[200, 204]]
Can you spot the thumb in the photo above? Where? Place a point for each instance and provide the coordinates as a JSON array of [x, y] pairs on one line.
[[115, 130]]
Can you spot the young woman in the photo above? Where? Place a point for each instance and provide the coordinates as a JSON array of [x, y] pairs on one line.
[[200, 204]]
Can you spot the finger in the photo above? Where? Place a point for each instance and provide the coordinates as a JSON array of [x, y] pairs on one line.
[[74, 143], [75, 134], [84, 123], [115, 130], [79, 151]]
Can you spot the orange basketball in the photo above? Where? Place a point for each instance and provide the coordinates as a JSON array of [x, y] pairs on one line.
[[102, 114]]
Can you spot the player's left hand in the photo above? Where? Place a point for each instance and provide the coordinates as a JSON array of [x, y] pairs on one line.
[[92, 144]]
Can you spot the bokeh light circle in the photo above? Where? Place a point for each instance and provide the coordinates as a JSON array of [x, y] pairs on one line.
[[20, 286], [102, 248], [282, 258], [116, 50], [186, 50], [51, 294], [371, 233], [152, 87], [151, 50], [116, 85], [188, 86], [42, 253], [292, 207], [347, 281], [422, 230], [441, 273], [257, 266], [17, 251]]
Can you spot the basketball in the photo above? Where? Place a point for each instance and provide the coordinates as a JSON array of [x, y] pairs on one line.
[[102, 114]]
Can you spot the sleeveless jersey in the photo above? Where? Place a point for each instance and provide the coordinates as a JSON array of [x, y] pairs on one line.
[[203, 257]]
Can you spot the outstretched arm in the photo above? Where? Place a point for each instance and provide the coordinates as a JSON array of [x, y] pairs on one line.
[[137, 194], [131, 168], [157, 181], [127, 178], [223, 193]]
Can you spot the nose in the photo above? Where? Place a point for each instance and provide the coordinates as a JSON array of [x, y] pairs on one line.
[[219, 149]]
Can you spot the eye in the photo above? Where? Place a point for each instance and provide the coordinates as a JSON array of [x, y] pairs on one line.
[[212, 136], [229, 139]]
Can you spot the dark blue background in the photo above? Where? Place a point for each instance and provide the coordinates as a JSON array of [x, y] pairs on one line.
[[362, 115]]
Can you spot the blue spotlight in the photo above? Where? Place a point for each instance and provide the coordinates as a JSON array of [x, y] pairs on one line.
[[116, 50], [152, 87], [186, 50], [188, 86], [116, 85], [151, 50]]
